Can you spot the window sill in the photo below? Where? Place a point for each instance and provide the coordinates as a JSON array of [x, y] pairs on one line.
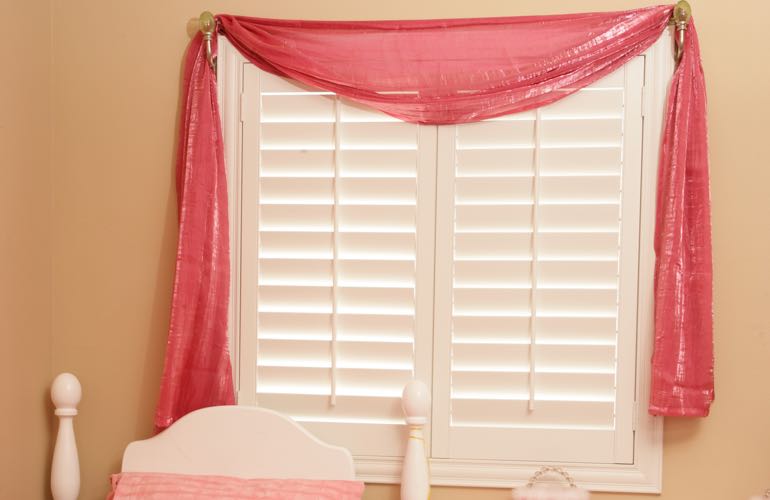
[[643, 476]]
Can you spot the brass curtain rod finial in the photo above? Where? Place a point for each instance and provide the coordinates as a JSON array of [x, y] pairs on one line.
[[207, 25], [680, 18], [682, 13]]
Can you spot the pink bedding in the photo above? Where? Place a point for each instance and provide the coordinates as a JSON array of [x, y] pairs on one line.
[[157, 486]]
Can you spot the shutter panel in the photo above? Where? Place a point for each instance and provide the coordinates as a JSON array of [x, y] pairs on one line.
[[538, 230], [330, 237]]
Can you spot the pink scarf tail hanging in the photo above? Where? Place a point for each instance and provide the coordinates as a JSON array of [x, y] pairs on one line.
[[197, 371], [683, 360], [445, 72]]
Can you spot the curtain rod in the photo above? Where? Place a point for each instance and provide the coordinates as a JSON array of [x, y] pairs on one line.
[[208, 26], [680, 18]]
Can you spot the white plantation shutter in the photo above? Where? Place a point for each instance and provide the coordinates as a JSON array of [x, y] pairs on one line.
[[536, 280], [337, 211]]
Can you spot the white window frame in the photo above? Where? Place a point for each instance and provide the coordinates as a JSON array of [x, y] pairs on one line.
[[644, 474]]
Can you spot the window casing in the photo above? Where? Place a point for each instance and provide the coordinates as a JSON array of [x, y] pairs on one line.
[[353, 224]]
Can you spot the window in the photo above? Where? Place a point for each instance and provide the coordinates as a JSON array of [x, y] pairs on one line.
[[506, 263]]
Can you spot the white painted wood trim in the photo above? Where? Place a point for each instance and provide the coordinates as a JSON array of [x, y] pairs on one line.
[[65, 467], [644, 475]]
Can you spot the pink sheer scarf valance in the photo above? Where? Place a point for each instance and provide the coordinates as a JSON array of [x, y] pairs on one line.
[[444, 72]]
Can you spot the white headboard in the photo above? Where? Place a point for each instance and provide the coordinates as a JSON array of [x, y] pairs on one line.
[[239, 441]]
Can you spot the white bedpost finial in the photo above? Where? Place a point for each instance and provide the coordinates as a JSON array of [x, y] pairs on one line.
[[415, 475], [65, 468]]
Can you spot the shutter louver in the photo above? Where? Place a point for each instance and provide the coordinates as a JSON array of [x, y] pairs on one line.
[[335, 235], [538, 235]]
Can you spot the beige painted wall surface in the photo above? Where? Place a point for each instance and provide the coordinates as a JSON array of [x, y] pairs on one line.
[[116, 81], [25, 249]]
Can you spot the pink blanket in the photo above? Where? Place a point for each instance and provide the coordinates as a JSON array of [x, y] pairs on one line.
[[158, 486]]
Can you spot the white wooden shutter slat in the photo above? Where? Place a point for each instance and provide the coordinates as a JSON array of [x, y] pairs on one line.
[[516, 162], [281, 326], [492, 274], [515, 413], [376, 327], [376, 219], [571, 302], [579, 218], [378, 163], [299, 299], [597, 387], [491, 301], [553, 274], [371, 191], [295, 218], [585, 302], [571, 275], [312, 191], [376, 273], [580, 189], [348, 408], [377, 246], [390, 300], [487, 218], [360, 327], [297, 163], [374, 355], [296, 191], [588, 443], [578, 246], [588, 130], [489, 245], [371, 300], [297, 109], [487, 357], [283, 136], [288, 245], [353, 218], [580, 160], [496, 134], [295, 244], [315, 381], [378, 135], [556, 330], [295, 272], [566, 330], [605, 103], [490, 329], [491, 191]]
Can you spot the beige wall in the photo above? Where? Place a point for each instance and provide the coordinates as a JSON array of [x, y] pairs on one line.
[[25, 248], [116, 69]]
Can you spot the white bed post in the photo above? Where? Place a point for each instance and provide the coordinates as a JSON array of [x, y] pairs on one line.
[[415, 475], [65, 468]]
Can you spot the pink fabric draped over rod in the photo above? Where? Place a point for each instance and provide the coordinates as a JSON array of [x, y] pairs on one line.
[[446, 72]]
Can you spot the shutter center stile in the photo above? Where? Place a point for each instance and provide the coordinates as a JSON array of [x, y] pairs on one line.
[[335, 255]]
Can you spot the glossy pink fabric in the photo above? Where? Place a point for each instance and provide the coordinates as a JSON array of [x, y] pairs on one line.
[[442, 72], [158, 486], [683, 361], [460, 70], [197, 370]]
